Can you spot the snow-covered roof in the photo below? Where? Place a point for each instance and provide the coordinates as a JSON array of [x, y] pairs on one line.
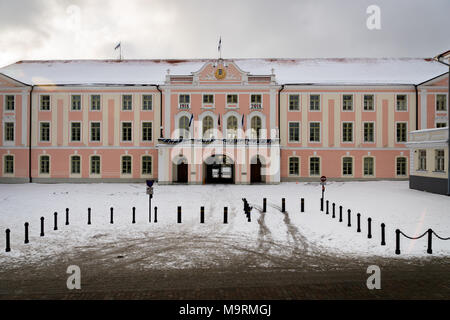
[[357, 71]]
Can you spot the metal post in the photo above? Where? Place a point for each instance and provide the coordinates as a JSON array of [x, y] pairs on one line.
[[264, 205], [225, 215], [283, 205], [150, 208], [55, 227], [179, 214], [397, 241], [430, 237], [202, 214], [334, 210], [67, 216], [89, 215], [111, 220], [358, 218], [26, 232], [383, 236], [369, 228], [42, 226], [340, 213], [156, 215], [349, 218], [8, 247], [327, 212], [302, 206], [321, 204], [134, 215]]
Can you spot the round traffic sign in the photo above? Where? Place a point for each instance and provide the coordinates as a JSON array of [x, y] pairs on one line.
[[323, 178]]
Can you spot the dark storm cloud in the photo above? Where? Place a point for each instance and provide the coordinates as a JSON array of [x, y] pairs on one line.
[[172, 29]]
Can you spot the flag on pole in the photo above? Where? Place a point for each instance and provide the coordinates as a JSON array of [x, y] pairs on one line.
[[242, 121], [190, 121], [117, 46], [218, 120], [220, 44]]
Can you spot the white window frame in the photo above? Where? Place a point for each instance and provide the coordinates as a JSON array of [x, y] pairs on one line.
[[81, 131], [374, 102], [142, 131], [81, 102], [142, 101], [49, 102], [121, 166], [9, 174], [5, 141], [90, 132], [342, 166], [309, 166], [320, 132], [5, 109], [208, 105], [353, 132], [374, 132], [406, 168], [49, 132], [406, 135], [289, 132], [374, 166], [72, 174], [254, 105], [309, 102], [45, 174], [299, 102], [90, 102], [122, 100], [232, 105], [396, 104], [95, 175], [142, 165], [353, 102], [184, 103], [446, 100], [121, 132], [289, 166]]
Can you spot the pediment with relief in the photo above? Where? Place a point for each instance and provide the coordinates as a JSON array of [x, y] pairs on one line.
[[220, 71]]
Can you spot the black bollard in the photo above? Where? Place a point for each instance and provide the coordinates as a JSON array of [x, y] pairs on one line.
[[89, 215], [302, 205], [26, 232], [111, 219], [321, 204], [67, 216], [430, 237], [8, 247], [334, 210], [340, 213], [369, 228], [156, 215], [179, 214], [397, 241], [202, 214], [134, 215], [264, 205], [42, 226], [225, 215], [383, 236], [328, 211], [349, 224], [55, 227], [283, 205], [358, 229]]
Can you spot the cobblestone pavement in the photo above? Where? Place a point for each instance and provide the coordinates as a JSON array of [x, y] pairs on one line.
[[119, 272]]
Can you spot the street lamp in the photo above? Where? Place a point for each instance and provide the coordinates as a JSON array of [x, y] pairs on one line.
[[150, 196]]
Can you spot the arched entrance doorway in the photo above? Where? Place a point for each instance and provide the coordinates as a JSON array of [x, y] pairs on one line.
[[180, 170], [256, 165], [218, 169]]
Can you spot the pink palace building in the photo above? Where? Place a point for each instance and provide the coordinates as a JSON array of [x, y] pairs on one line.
[[217, 120]]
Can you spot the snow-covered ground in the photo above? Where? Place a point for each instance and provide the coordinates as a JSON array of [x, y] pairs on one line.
[[313, 231]]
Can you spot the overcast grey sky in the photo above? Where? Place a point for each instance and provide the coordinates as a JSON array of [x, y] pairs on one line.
[[87, 29]]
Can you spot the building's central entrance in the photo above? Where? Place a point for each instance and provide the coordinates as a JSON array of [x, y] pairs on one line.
[[219, 169]]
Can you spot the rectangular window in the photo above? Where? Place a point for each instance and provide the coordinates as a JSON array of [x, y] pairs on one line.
[[45, 131], [146, 165], [126, 165], [146, 131], [44, 165], [75, 102], [314, 132], [9, 131], [422, 160], [347, 102], [441, 102], [368, 166], [314, 102], [10, 103], [9, 164], [75, 131], [347, 166], [439, 157], [95, 102], [294, 132], [75, 165], [294, 102], [314, 166], [95, 165], [147, 102], [256, 101], [401, 132], [127, 131], [368, 102], [208, 98], [95, 131], [401, 166], [45, 102], [441, 124], [369, 130], [127, 102], [294, 166], [232, 98], [184, 101], [401, 102], [347, 132]]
